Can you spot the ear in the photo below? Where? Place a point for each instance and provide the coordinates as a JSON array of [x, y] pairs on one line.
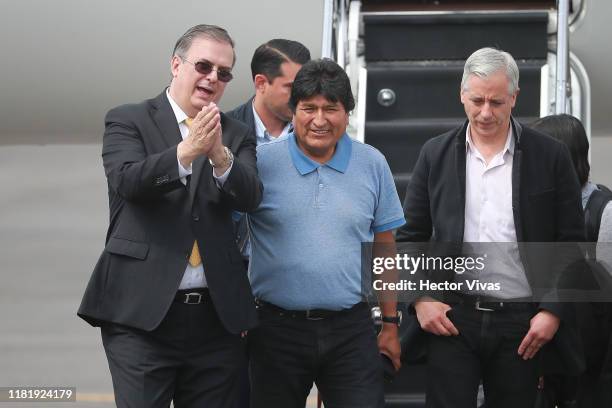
[[514, 97], [462, 95], [175, 62], [260, 81]]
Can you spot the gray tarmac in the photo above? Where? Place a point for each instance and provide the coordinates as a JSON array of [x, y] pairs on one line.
[[52, 219]]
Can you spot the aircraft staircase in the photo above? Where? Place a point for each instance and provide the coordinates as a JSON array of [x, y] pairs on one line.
[[405, 60], [414, 60]]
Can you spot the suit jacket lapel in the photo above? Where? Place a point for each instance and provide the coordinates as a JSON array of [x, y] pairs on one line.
[[461, 169], [250, 117], [165, 120], [516, 179]]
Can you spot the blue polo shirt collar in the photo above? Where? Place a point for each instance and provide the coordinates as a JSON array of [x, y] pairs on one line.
[[339, 161]]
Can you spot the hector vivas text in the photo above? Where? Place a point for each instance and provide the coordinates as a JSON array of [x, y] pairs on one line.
[[404, 263]]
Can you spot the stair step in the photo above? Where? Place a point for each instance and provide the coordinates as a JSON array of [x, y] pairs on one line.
[[454, 35], [401, 140], [455, 5], [431, 89]]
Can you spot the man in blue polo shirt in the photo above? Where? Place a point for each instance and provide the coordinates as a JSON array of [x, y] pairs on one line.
[[324, 194]]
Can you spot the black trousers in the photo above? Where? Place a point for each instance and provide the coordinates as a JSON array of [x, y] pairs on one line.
[[485, 349], [189, 359], [339, 354]]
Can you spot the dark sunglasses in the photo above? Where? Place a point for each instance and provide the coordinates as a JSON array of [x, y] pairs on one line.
[[206, 67]]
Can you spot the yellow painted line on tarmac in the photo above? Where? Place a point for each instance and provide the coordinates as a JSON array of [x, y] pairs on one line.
[[95, 397]]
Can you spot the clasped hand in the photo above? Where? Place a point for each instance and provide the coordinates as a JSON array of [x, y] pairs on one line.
[[204, 138]]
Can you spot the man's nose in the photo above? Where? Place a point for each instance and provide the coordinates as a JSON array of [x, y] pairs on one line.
[[486, 110], [319, 118], [212, 75]]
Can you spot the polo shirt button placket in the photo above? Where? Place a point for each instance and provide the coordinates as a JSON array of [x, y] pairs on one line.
[[319, 188]]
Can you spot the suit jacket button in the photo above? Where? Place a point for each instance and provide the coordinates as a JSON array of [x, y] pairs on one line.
[[196, 218]]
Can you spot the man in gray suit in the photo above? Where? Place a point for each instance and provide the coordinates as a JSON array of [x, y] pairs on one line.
[[169, 291]]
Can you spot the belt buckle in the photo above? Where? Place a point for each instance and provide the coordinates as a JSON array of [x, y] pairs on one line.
[[309, 316], [482, 309], [188, 296]]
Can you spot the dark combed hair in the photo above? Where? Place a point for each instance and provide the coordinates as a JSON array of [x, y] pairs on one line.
[[202, 30], [269, 57], [322, 77], [570, 131]]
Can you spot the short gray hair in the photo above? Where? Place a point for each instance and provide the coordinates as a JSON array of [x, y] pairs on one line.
[[487, 61], [212, 32]]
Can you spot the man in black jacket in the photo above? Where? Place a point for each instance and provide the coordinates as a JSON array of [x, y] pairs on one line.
[[273, 68], [491, 180], [170, 291]]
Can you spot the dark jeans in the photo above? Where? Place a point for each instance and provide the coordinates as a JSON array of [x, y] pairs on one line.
[[485, 349], [339, 354], [190, 359]]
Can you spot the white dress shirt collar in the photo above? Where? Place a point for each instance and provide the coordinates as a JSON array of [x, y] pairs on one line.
[[260, 129], [178, 112], [508, 146]]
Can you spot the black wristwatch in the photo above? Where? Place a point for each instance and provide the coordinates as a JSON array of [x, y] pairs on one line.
[[397, 319]]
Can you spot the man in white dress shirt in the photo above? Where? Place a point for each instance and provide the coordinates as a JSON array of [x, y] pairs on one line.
[[491, 180]]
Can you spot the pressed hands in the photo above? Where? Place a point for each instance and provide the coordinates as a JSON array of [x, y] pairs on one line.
[[204, 139]]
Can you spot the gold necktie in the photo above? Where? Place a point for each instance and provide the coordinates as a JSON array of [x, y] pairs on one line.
[[194, 259]]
